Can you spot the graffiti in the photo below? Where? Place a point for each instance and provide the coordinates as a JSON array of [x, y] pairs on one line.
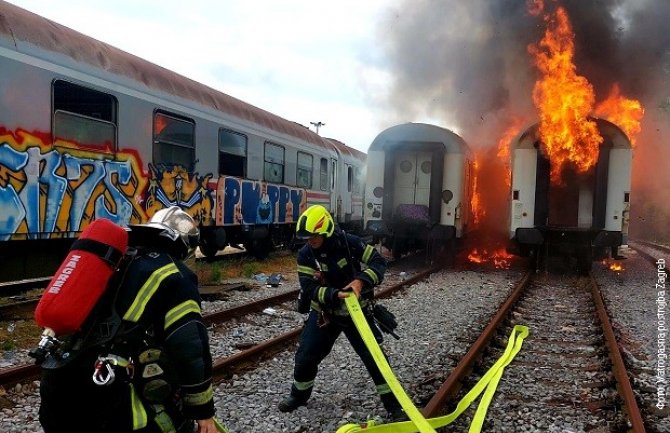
[[173, 185], [241, 201], [55, 191]]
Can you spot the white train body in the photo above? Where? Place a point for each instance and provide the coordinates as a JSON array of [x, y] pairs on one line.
[[582, 217]]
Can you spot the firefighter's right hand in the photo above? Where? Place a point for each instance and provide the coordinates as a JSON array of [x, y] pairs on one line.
[[354, 286], [206, 425]]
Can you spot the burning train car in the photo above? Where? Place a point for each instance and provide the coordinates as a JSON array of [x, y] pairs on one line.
[[418, 189], [579, 214]]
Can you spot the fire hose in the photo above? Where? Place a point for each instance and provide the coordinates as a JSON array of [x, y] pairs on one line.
[[418, 423]]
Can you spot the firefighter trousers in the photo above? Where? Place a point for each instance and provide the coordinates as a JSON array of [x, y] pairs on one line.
[[316, 342]]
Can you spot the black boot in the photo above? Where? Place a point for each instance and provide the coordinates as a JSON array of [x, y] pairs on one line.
[[291, 403], [397, 415], [392, 406]]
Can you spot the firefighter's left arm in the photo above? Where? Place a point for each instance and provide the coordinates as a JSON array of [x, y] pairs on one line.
[[187, 345], [375, 264]]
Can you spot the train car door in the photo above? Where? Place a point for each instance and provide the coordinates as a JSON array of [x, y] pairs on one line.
[[412, 178]]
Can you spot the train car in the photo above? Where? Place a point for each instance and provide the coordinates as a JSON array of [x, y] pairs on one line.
[[582, 216], [89, 131], [347, 205], [418, 189]]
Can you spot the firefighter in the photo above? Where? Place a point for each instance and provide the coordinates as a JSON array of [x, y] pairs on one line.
[[329, 266], [154, 374]]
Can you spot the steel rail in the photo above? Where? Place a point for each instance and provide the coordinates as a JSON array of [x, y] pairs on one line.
[[24, 373], [645, 255], [12, 287], [453, 383], [618, 366]]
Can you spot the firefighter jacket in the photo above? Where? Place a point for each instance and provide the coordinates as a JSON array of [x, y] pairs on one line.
[[161, 295], [157, 307], [324, 271]]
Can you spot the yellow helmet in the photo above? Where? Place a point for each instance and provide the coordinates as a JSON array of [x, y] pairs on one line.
[[316, 220]]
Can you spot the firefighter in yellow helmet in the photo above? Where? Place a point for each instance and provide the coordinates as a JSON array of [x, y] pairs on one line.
[[329, 265]]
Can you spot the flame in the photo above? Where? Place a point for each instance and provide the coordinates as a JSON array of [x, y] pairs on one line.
[[476, 200], [564, 99], [475, 257], [613, 266], [623, 112], [504, 145], [499, 258], [617, 267]]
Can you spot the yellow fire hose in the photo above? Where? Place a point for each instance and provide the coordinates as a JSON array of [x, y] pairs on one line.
[[487, 384]]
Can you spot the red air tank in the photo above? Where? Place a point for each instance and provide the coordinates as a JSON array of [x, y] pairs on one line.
[[82, 277]]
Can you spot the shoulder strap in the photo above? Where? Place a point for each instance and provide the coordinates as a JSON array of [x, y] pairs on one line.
[[105, 321]]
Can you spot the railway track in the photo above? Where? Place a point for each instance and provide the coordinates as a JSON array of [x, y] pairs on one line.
[[650, 251], [568, 371], [562, 374], [224, 366]]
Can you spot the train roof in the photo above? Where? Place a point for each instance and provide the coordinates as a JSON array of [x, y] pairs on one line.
[[21, 29], [617, 138], [346, 150], [406, 133]]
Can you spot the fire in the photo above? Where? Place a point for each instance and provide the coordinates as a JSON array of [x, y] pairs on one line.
[[564, 99], [623, 112], [504, 146], [499, 258], [476, 202], [475, 257], [613, 266], [617, 267]]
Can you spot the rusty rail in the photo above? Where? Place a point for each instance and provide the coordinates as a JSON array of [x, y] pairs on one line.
[[618, 366], [14, 375], [453, 382]]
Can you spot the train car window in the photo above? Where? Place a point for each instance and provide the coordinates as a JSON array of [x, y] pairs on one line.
[[174, 140], [333, 174], [324, 174], [274, 163], [350, 178], [84, 116], [304, 170], [232, 153]]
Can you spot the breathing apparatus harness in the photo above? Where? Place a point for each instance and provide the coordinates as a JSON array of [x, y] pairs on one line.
[[383, 318]]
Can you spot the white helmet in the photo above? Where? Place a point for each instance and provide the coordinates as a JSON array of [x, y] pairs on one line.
[[177, 226]]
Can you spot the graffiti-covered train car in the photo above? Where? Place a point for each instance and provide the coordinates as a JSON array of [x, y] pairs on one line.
[[89, 131]]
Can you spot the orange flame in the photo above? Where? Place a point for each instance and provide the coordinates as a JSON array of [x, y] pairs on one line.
[[476, 201], [564, 99], [613, 266], [623, 112], [504, 145], [499, 258], [617, 267]]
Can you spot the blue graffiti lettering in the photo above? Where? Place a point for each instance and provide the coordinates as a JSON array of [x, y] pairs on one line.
[[296, 199], [232, 194], [124, 209], [30, 195], [284, 197], [12, 210]]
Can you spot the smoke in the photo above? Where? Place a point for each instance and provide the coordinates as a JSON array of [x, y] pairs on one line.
[[467, 65]]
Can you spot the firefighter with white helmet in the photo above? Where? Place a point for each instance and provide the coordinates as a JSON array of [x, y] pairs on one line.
[[159, 357], [329, 266]]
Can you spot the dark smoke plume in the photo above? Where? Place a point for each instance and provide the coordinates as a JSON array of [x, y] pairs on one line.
[[466, 63]]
